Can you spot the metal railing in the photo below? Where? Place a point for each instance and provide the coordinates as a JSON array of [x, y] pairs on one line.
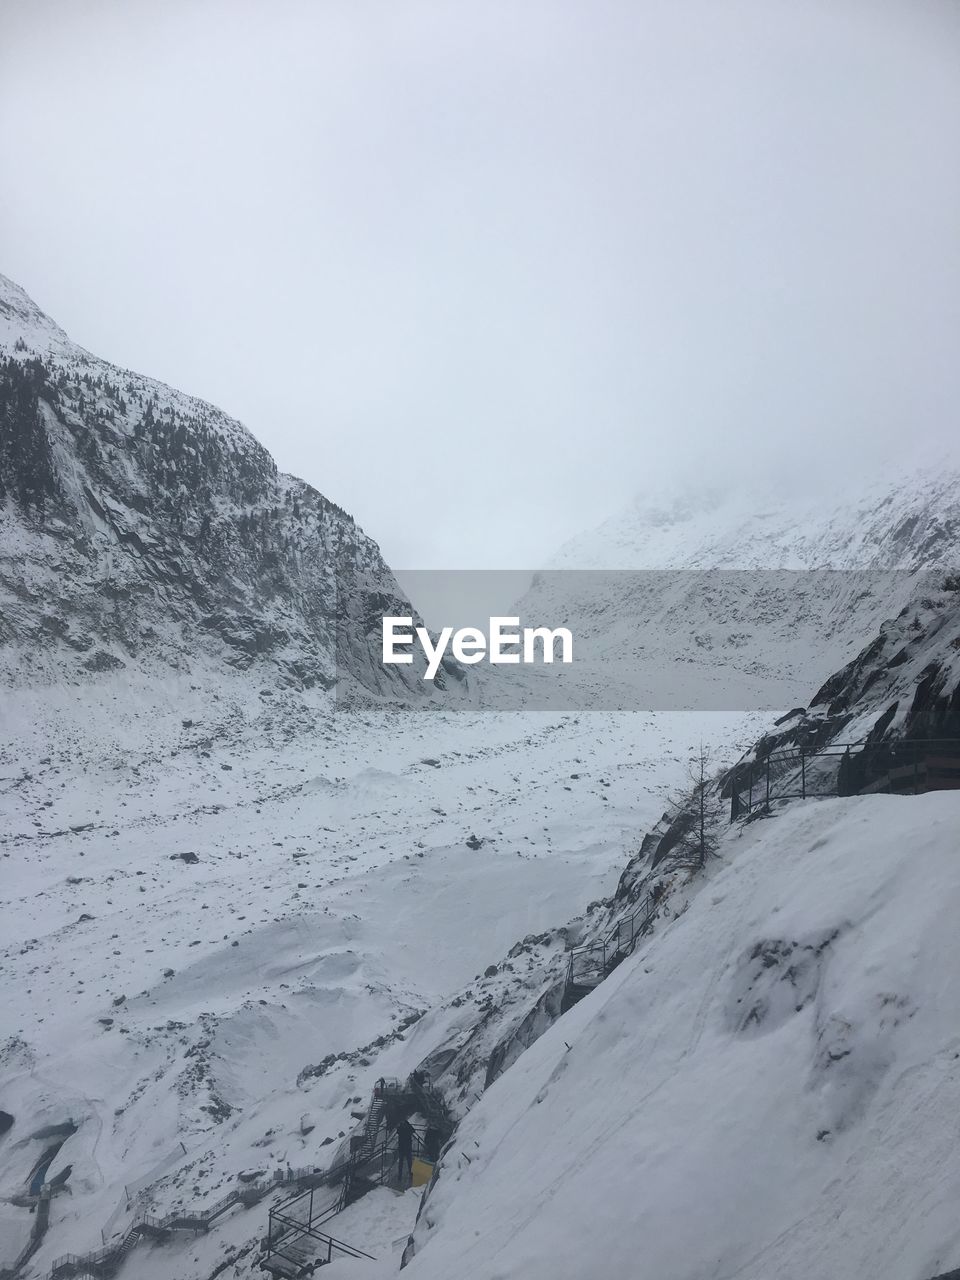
[[329, 1192], [301, 1215], [104, 1261], [589, 964], [293, 1230], [905, 766]]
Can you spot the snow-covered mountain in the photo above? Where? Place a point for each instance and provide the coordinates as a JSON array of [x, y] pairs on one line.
[[253, 921], [143, 529], [737, 600], [227, 911], [882, 518]]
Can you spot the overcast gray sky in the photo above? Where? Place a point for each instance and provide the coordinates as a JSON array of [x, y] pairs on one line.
[[480, 272]]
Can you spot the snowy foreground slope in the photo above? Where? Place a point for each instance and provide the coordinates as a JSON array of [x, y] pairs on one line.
[[786, 910], [338, 907], [768, 1088], [335, 907]]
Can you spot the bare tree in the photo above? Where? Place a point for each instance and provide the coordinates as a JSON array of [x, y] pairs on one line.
[[685, 839], [698, 769]]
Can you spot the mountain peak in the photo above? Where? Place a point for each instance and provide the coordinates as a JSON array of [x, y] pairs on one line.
[[23, 326]]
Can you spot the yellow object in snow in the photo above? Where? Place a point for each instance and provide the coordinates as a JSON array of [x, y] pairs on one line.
[[422, 1172]]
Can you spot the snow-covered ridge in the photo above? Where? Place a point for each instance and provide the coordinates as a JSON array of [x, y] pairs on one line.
[[881, 518], [27, 332], [25, 327]]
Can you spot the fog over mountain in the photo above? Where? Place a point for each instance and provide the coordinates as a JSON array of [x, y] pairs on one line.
[[538, 257]]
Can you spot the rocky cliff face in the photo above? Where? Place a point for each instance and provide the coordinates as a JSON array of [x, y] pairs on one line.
[[140, 527], [901, 688]]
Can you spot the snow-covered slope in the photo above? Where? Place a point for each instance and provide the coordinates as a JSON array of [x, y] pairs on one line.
[[142, 528], [767, 1088], [902, 688], [722, 1104]]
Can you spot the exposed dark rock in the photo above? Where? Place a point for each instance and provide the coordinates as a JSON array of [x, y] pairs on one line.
[[103, 661], [791, 715], [542, 1015]]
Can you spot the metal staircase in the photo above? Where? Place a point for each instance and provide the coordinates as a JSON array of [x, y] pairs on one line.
[[305, 1249], [370, 1164], [371, 1127], [105, 1262], [295, 1245], [587, 966]]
